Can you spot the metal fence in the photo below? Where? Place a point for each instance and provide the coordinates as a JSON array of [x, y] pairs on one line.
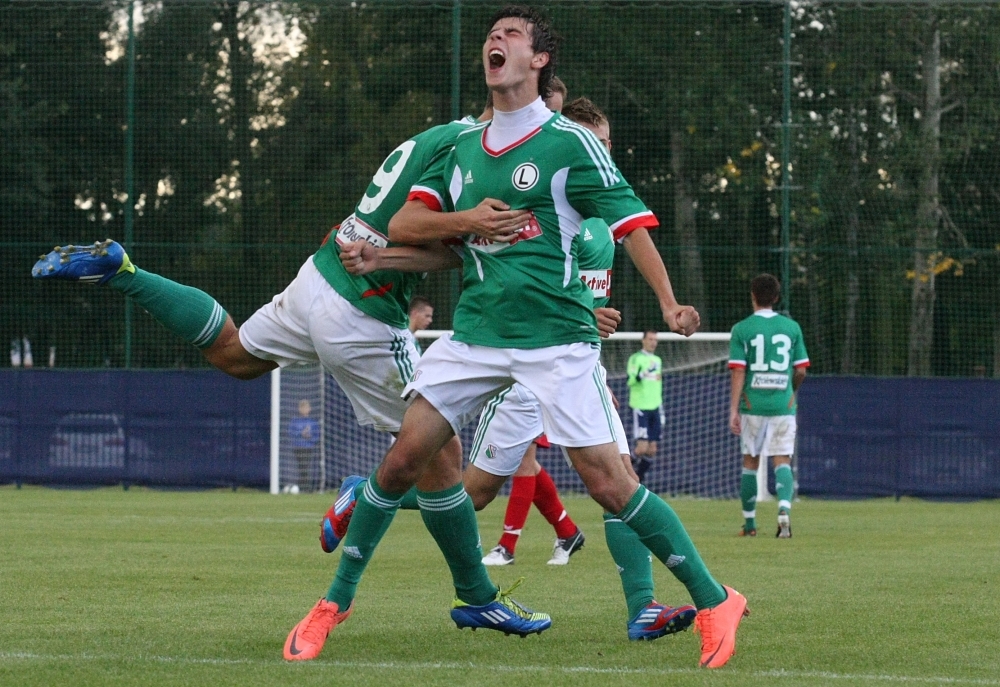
[[849, 148]]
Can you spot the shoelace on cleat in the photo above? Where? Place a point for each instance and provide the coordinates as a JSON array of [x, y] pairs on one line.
[[503, 597], [704, 626], [313, 630]]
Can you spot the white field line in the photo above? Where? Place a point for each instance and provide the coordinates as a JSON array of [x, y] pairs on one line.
[[10, 656]]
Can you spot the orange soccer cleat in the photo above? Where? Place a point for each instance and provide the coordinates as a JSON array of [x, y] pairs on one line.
[[307, 638], [718, 628]]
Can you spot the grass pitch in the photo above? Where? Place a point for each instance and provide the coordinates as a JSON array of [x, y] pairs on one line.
[[107, 587]]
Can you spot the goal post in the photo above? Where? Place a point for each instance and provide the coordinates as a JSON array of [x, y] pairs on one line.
[[696, 456]]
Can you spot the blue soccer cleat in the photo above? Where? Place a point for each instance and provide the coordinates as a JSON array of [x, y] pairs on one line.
[[333, 527], [656, 620], [503, 614], [94, 264]]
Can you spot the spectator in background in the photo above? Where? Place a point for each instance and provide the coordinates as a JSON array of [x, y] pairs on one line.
[[303, 431], [645, 384], [421, 314]]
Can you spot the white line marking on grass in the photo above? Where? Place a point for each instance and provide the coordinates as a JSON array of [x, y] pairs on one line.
[[593, 670]]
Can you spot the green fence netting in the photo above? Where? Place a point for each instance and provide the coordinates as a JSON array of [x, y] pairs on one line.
[[849, 148]]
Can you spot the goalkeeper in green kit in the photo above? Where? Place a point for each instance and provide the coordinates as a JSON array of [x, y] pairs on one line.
[[645, 386], [767, 361]]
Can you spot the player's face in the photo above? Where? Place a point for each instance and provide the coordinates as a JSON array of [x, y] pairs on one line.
[[508, 57], [603, 133], [649, 342], [421, 318]]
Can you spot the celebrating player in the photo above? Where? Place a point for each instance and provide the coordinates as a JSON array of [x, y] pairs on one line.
[[357, 328], [762, 398], [525, 316]]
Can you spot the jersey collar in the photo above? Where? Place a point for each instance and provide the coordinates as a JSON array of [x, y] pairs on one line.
[[766, 312]]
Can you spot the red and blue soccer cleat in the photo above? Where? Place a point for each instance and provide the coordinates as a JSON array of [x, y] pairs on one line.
[[333, 527], [94, 264], [656, 620]]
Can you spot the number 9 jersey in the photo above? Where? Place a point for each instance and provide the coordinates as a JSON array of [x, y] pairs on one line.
[[769, 346], [385, 294]]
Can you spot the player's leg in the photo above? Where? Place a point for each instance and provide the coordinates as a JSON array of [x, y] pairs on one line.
[[569, 537], [640, 432], [578, 414], [647, 618], [504, 446], [522, 493], [748, 495], [753, 433], [190, 313], [780, 444]]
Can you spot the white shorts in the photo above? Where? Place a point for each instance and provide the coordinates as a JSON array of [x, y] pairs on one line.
[[310, 322], [767, 436], [509, 424], [459, 379]]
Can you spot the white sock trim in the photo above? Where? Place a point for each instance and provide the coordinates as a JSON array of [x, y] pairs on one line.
[[749, 514]]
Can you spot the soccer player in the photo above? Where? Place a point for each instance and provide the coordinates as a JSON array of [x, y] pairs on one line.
[[767, 363], [421, 314], [357, 328], [645, 398], [525, 316]]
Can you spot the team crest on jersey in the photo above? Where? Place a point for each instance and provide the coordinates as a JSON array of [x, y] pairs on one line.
[[525, 176], [491, 451], [353, 229], [483, 245]]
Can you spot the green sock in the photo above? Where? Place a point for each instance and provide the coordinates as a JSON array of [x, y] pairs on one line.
[[784, 484], [634, 563], [188, 312], [409, 501], [748, 495], [451, 520], [372, 516], [662, 532]]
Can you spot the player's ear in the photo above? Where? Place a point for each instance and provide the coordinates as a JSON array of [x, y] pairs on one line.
[[540, 60]]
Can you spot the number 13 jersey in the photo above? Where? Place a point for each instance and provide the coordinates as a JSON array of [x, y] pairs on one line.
[[769, 346]]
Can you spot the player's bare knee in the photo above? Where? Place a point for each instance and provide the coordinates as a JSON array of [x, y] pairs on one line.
[[228, 354]]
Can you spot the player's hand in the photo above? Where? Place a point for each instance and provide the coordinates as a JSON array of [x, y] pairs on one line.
[[494, 220], [359, 257], [682, 319], [614, 399], [608, 320], [734, 422]]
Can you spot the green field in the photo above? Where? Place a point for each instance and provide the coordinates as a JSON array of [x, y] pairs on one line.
[[109, 587]]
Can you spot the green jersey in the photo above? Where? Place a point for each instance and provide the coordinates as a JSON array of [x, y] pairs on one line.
[[528, 293], [596, 256], [645, 381], [385, 294], [769, 346]]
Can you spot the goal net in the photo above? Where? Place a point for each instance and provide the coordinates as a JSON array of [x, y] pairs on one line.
[[697, 454]]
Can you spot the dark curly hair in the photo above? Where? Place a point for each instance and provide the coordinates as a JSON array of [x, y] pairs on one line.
[[543, 39]]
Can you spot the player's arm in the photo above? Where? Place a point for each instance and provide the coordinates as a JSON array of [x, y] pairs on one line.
[[737, 377], [683, 319], [420, 220], [798, 376], [632, 370], [361, 257], [595, 188], [800, 360]]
